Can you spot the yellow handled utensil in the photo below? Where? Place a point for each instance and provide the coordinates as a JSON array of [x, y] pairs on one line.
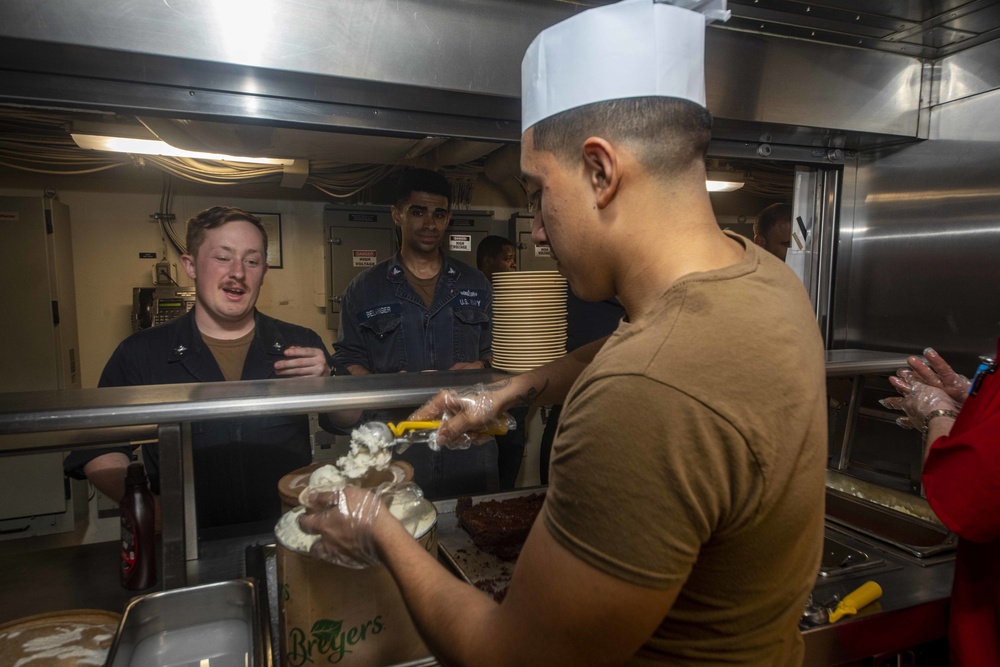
[[380, 435], [857, 599], [498, 428]]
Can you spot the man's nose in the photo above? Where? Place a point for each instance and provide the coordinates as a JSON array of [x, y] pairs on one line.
[[236, 269], [538, 233]]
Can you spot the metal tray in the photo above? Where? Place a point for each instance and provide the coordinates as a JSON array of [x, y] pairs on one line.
[[914, 536], [457, 550], [216, 622]]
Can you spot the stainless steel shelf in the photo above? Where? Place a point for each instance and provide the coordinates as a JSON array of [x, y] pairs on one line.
[[841, 363]]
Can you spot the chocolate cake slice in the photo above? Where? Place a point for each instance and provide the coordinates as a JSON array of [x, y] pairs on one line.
[[499, 526]]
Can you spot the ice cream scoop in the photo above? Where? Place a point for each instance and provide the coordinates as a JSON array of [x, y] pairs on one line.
[[405, 433], [860, 597]]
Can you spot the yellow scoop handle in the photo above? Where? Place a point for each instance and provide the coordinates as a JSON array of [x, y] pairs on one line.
[[399, 429], [857, 599]]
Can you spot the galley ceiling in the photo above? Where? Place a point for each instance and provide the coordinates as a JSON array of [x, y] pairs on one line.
[[34, 131]]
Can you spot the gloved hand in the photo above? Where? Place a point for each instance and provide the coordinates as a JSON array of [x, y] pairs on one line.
[[466, 416], [941, 375], [917, 400], [345, 520]]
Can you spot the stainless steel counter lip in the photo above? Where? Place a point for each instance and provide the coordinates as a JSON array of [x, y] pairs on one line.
[[27, 412], [55, 410], [841, 363]]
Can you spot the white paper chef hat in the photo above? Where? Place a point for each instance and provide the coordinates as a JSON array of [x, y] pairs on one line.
[[634, 48]]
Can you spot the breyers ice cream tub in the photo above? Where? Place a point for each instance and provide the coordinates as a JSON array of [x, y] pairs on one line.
[[330, 614]]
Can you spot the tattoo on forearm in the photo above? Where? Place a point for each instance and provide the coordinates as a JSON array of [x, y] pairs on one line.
[[529, 397]]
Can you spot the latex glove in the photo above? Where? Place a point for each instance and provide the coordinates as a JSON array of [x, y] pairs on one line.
[[917, 400], [345, 521], [466, 414], [940, 374], [302, 362]]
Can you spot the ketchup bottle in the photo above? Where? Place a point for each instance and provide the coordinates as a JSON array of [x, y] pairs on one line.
[[138, 567]]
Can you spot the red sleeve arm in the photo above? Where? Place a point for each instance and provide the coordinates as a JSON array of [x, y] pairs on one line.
[[962, 473]]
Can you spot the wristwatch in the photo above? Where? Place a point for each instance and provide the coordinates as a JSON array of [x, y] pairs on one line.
[[940, 412]]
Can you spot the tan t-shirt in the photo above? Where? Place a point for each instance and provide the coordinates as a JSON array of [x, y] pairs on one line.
[[422, 286], [230, 354], [691, 453]]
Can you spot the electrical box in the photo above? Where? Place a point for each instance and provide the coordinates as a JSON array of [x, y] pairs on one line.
[[530, 256], [465, 231], [357, 238]]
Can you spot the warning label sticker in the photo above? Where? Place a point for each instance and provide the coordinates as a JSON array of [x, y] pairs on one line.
[[543, 251], [460, 242], [364, 258]]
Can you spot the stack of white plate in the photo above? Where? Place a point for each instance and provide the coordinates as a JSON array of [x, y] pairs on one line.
[[529, 319]]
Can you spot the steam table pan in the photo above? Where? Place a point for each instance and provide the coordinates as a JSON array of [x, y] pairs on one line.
[[215, 624]]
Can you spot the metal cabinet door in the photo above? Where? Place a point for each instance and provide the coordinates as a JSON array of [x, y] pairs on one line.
[[351, 250]]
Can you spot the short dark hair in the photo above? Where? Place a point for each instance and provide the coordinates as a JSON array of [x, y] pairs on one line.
[[491, 247], [769, 217], [214, 217], [666, 133], [415, 179]]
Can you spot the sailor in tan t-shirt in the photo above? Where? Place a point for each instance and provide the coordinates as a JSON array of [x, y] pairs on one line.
[[684, 518]]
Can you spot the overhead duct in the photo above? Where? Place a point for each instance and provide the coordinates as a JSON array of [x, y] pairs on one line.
[[462, 151], [503, 164]]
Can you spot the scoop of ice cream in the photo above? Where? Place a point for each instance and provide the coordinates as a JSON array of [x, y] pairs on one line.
[[370, 450]]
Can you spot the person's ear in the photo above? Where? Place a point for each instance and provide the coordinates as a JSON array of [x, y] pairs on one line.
[[759, 240], [188, 262], [604, 169], [396, 216]]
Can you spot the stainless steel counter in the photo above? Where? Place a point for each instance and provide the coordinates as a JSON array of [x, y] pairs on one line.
[[57, 420], [912, 610], [38, 421]]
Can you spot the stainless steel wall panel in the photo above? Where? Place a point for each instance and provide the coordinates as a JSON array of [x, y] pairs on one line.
[[803, 84], [923, 240], [970, 72]]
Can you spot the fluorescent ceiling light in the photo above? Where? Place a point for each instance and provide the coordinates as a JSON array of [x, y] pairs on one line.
[[723, 181], [157, 147]]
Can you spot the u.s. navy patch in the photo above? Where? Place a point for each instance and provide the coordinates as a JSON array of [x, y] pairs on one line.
[[469, 297]]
